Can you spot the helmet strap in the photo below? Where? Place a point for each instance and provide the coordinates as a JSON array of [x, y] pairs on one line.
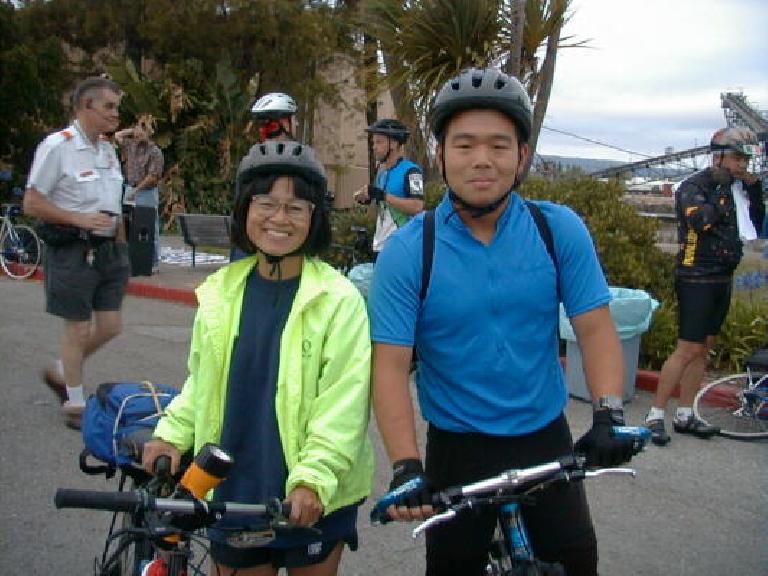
[[271, 129], [473, 209]]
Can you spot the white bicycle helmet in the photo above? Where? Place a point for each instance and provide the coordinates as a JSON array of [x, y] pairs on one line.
[[274, 105]]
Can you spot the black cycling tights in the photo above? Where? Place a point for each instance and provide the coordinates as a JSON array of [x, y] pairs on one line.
[[559, 524]]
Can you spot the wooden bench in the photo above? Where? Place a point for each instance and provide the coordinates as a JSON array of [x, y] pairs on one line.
[[205, 230]]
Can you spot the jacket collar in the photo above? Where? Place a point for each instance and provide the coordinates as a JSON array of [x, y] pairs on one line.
[[229, 281]]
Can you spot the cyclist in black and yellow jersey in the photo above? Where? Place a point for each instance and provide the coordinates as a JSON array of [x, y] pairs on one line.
[[718, 209]]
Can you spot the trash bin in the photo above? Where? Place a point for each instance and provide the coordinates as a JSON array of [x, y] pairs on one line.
[[631, 311], [361, 276]]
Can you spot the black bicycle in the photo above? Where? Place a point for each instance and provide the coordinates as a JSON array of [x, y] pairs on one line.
[[510, 553], [162, 522]]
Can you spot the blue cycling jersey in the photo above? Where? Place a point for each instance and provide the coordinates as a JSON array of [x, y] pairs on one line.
[[486, 333]]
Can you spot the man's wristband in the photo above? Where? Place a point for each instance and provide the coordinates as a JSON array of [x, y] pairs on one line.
[[614, 405]]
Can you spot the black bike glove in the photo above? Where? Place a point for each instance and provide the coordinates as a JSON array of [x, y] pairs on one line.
[[376, 193], [406, 470], [600, 445]]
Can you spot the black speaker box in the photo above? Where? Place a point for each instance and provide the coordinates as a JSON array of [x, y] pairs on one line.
[[141, 240]]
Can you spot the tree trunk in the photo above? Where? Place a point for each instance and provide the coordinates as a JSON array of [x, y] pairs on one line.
[[546, 79], [406, 113], [513, 65], [370, 48]]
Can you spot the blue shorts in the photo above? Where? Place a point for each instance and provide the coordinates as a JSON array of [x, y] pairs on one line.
[[292, 549]]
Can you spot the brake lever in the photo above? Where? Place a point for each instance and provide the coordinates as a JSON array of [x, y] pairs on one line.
[[432, 521]]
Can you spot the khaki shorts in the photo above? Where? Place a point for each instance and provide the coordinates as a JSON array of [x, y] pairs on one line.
[[81, 279]]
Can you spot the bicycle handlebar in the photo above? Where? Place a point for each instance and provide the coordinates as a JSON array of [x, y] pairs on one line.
[[511, 484], [95, 500], [141, 501]]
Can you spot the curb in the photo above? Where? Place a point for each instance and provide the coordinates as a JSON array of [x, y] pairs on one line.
[[178, 295]]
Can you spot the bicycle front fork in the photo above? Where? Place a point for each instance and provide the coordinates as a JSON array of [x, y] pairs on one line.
[[510, 546]]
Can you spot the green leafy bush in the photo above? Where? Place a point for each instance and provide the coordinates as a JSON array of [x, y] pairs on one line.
[[744, 331]]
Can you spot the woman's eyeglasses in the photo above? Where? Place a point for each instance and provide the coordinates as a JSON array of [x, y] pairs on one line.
[[297, 210]]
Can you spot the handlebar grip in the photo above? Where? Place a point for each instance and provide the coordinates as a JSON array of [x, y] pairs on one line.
[[379, 512], [96, 500], [162, 466]]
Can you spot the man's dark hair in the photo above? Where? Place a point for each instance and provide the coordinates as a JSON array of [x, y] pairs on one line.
[[319, 236], [89, 87]]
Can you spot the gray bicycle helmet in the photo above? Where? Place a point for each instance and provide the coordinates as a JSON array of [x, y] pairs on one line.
[[274, 105], [486, 88], [390, 127], [283, 158], [735, 139]]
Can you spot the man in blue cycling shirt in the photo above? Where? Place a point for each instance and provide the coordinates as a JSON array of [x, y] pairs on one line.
[[489, 379], [399, 186]]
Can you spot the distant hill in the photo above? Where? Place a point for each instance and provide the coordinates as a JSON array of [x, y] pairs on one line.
[[589, 165], [586, 164]]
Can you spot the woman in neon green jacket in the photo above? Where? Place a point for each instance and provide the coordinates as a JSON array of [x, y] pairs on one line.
[[279, 372]]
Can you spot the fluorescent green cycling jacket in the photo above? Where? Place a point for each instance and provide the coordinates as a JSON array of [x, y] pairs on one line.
[[323, 382]]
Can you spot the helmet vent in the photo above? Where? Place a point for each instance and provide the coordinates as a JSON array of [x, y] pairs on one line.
[[297, 150], [280, 148], [477, 80], [500, 83]]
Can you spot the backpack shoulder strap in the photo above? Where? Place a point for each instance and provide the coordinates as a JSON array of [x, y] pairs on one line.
[[546, 234], [427, 252]]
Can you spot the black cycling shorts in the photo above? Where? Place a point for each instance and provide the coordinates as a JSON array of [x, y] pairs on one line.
[[702, 305], [559, 523]]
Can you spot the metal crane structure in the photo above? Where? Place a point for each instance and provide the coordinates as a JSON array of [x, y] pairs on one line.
[[738, 112]]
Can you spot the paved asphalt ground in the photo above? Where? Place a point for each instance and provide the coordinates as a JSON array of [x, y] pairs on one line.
[[696, 507]]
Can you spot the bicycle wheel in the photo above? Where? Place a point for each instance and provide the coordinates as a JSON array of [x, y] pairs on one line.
[[137, 554], [729, 404], [19, 251]]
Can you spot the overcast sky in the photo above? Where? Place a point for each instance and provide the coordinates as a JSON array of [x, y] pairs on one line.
[[654, 73]]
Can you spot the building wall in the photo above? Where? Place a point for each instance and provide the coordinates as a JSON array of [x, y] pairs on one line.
[[338, 131]]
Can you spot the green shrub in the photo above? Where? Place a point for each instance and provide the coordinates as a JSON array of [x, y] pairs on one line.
[[626, 245], [744, 331]]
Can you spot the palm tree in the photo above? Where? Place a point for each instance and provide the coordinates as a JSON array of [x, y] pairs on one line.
[[425, 42]]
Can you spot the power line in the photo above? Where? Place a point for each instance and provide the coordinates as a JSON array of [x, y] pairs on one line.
[[598, 142]]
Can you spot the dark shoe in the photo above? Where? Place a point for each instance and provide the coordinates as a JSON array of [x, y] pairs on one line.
[[55, 384], [73, 416], [693, 425], [659, 434]]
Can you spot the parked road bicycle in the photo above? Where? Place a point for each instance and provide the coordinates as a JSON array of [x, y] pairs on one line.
[[19, 244], [165, 535], [510, 553], [738, 403]]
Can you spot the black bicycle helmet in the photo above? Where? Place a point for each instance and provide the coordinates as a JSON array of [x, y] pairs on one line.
[[735, 139], [283, 157], [390, 127], [482, 88]]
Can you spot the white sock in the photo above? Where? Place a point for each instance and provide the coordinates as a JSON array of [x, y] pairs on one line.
[[75, 395], [655, 414], [683, 413]]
